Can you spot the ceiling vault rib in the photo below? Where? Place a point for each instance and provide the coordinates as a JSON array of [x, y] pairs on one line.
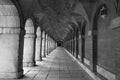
[[55, 16]]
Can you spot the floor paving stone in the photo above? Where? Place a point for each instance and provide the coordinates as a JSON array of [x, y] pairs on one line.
[[56, 66]]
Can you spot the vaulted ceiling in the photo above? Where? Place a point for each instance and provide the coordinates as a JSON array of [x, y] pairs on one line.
[[55, 16]]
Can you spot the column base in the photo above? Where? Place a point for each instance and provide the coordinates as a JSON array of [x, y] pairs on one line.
[[28, 64], [44, 56], [38, 60], [11, 75]]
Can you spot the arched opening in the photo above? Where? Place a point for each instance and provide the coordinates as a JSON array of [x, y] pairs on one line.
[[10, 54], [95, 37], [29, 38], [59, 44], [81, 14]]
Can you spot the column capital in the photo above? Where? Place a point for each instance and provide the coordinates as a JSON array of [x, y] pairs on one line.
[[29, 35]]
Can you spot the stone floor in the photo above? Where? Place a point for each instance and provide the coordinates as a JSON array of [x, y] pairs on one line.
[[57, 66]]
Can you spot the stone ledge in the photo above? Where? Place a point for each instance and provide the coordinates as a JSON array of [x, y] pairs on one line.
[[12, 75]]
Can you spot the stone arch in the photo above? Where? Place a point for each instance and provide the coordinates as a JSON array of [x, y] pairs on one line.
[[73, 31], [80, 12], [29, 26], [11, 56], [38, 33], [95, 37], [29, 44]]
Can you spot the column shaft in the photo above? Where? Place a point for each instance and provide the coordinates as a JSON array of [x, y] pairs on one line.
[[10, 54], [29, 55], [38, 43]]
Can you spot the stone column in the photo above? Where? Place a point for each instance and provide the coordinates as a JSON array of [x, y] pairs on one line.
[[29, 55], [48, 47], [77, 43], [10, 45], [38, 39], [10, 57], [43, 43], [73, 46]]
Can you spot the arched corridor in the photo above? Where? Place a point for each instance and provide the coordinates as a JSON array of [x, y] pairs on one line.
[[59, 40]]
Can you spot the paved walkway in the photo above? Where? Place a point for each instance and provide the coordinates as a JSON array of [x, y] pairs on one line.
[[57, 66]]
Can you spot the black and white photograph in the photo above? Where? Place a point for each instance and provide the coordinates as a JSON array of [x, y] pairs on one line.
[[59, 39]]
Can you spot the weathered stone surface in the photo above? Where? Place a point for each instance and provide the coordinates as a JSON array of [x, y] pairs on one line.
[[10, 54], [29, 55]]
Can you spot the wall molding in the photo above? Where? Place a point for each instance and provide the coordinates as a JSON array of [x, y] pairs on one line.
[[9, 30]]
